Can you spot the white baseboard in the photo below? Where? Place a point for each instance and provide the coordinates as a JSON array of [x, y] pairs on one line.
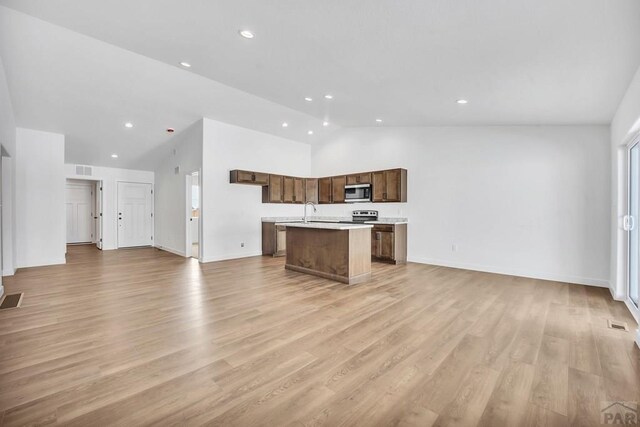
[[615, 296], [230, 256], [1, 291], [173, 251], [515, 272], [638, 337], [42, 262], [9, 271]]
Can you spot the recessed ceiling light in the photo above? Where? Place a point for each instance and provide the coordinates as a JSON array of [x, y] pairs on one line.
[[115, 156], [185, 64], [310, 132], [308, 99], [462, 101], [128, 125], [325, 123], [379, 120], [285, 124], [328, 96], [246, 34]]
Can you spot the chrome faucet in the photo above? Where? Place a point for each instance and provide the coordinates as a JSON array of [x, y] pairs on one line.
[[305, 210]]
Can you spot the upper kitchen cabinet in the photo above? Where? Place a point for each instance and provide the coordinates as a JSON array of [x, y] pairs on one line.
[[337, 188], [311, 190], [273, 192], [324, 190], [292, 190], [359, 178], [390, 185], [247, 177]]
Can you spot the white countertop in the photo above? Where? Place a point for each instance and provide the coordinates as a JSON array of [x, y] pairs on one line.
[[330, 219], [326, 225]]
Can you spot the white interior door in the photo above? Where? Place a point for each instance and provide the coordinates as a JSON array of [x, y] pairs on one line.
[[632, 225], [79, 213], [135, 216], [98, 214]]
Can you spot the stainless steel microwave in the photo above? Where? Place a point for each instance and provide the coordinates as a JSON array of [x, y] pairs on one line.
[[357, 193]]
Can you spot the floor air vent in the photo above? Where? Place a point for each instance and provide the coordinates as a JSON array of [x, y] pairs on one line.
[[11, 301], [614, 324]]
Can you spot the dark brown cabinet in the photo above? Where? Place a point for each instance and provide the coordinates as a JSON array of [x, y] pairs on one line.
[[274, 239], [298, 190], [247, 177], [324, 190], [288, 195], [337, 189], [273, 193], [389, 243], [311, 190], [390, 185], [387, 186], [359, 178]]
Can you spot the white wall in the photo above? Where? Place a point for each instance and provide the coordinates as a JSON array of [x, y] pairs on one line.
[[528, 201], [110, 178], [171, 191], [40, 211], [231, 212], [624, 127]]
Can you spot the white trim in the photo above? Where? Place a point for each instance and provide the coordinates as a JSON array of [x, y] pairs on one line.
[[8, 271], [231, 256], [601, 283], [1, 291], [173, 251], [43, 262], [633, 309], [638, 337]]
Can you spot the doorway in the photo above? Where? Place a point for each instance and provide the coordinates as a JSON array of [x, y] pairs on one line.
[[135, 214], [632, 226], [193, 214], [83, 212]]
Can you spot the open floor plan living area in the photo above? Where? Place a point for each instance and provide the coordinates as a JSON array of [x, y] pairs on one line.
[[319, 213]]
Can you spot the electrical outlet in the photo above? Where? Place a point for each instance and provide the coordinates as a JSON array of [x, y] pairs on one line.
[[242, 244]]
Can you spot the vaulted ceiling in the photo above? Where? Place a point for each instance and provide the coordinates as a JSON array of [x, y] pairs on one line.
[[404, 62]]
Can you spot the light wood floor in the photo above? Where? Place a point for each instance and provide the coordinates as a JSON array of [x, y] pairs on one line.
[[134, 337]]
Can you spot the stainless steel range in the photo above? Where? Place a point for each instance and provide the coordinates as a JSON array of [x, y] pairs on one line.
[[364, 216]]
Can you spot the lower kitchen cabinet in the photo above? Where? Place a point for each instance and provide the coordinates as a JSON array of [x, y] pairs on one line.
[[274, 239], [389, 243]]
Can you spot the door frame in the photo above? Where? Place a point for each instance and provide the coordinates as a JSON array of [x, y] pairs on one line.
[[97, 207], [153, 216], [187, 216], [635, 310]]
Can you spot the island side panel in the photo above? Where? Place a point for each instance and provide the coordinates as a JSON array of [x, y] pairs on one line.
[[321, 252], [359, 255]]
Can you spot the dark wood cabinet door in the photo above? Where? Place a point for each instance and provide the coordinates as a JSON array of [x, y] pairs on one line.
[[324, 190], [337, 188], [311, 190], [287, 189], [298, 190], [392, 185], [359, 178], [386, 243], [375, 244], [248, 177], [379, 185], [275, 189]]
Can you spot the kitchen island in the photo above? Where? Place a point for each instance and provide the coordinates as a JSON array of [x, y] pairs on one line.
[[334, 251]]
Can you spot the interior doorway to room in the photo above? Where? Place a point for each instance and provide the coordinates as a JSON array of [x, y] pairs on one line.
[[83, 201], [193, 215], [135, 214]]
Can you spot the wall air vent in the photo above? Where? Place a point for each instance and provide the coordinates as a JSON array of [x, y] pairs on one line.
[[84, 170]]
